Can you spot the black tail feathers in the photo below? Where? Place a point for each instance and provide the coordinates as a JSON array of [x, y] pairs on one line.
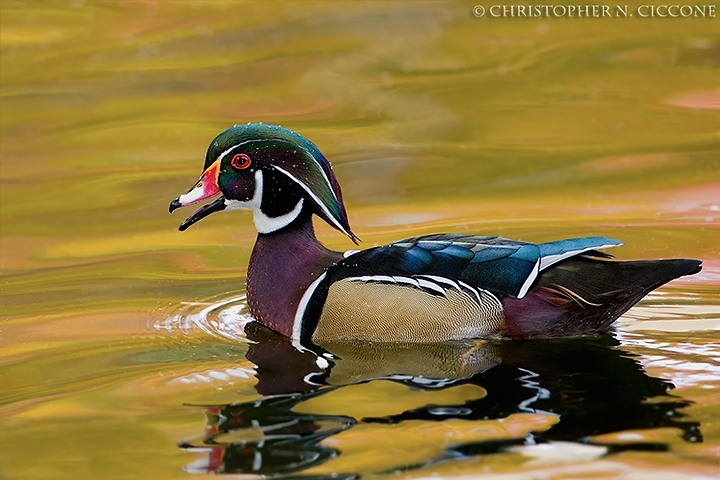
[[585, 295]]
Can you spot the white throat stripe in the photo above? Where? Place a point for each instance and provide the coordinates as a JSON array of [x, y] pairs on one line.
[[264, 223]]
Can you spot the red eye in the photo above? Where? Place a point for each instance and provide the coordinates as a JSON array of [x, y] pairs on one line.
[[240, 161]]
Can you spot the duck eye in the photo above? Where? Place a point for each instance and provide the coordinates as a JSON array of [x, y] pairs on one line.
[[240, 161]]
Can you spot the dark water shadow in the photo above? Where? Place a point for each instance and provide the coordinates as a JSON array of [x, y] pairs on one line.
[[593, 387]]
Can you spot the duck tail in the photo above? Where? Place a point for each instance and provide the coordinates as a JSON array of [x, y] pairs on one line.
[[584, 295]]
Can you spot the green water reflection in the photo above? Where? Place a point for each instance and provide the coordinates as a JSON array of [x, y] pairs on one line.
[[534, 129]]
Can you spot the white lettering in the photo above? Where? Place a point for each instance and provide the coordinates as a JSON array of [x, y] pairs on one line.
[[689, 10], [594, 11]]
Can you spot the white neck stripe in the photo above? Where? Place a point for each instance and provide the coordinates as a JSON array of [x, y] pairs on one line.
[[264, 223]]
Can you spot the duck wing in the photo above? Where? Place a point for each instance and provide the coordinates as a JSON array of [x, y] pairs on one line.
[[502, 266], [429, 288]]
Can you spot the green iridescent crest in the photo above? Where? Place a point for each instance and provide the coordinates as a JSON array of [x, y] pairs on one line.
[[294, 156]]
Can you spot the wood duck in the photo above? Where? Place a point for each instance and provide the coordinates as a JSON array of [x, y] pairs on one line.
[[424, 289]]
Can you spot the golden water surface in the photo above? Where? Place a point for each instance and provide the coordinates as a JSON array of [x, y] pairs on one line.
[[123, 347]]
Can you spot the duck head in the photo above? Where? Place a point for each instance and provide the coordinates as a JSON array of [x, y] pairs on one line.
[[271, 170]]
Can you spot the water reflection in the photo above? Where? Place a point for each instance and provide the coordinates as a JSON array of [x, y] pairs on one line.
[[590, 386], [265, 437]]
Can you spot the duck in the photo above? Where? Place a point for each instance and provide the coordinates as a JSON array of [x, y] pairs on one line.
[[424, 289]]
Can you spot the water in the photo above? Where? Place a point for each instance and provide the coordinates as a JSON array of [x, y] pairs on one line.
[[127, 351]]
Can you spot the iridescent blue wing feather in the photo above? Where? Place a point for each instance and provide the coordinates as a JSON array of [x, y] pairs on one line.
[[553, 252], [504, 267], [496, 264]]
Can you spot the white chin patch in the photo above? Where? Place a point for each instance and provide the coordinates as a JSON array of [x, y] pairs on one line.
[[264, 223]]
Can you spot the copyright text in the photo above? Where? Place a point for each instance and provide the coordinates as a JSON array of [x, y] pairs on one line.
[[594, 11]]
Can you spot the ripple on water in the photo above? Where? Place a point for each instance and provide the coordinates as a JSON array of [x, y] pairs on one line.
[[689, 362], [225, 319]]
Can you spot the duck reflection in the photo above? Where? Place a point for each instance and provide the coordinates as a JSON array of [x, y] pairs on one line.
[[265, 437], [589, 384]]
